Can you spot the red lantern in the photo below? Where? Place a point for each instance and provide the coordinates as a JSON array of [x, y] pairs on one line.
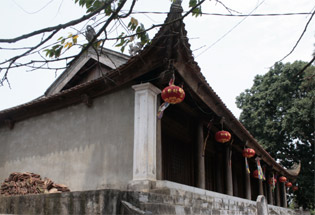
[[282, 179], [272, 181], [173, 94], [222, 136], [288, 184], [295, 188], [255, 174], [248, 153]]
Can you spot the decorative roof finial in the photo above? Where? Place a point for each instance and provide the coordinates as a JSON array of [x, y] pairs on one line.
[[178, 2], [177, 6]]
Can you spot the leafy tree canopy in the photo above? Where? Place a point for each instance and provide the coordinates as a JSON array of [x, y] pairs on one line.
[[279, 112]]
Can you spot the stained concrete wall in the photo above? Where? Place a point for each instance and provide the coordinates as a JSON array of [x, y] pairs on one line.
[[83, 148], [194, 200], [110, 202], [87, 202]]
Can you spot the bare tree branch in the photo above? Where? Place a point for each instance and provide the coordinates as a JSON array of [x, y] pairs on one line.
[[298, 41], [12, 60], [158, 25], [16, 62], [227, 8], [57, 27], [130, 10], [306, 66], [31, 49], [17, 65]]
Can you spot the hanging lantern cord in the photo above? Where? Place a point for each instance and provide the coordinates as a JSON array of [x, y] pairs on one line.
[[221, 122], [170, 68], [230, 151], [205, 142]]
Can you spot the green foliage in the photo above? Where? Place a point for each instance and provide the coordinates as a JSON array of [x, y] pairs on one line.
[[92, 5], [193, 3], [64, 43], [196, 11], [138, 31], [55, 51], [279, 112]]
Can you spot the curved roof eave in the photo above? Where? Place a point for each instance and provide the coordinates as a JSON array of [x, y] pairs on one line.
[[233, 122]]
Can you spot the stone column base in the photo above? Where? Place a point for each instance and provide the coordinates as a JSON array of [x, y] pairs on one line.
[[141, 185]]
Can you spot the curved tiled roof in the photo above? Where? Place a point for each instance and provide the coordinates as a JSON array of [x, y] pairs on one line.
[[233, 121], [121, 75]]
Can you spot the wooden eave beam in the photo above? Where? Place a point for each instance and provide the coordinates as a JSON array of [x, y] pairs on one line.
[[95, 88]]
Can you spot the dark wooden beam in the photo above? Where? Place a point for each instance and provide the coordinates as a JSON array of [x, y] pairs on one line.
[[10, 123], [87, 100]]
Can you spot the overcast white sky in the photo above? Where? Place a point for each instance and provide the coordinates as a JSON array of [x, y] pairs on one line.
[[229, 50]]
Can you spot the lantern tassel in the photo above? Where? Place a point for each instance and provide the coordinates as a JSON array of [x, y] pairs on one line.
[[162, 109], [264, 172], [246, 164], [274, 183], [260, 172]]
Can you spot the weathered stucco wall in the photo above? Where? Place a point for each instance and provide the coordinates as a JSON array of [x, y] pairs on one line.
[[83, 148]]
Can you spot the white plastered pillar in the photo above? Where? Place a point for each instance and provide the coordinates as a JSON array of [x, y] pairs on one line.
[[144, 151]]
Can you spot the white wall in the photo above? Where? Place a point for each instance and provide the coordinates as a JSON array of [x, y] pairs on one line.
[[83, 148]]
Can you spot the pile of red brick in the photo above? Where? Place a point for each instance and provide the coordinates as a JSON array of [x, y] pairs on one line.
[[29, 183]]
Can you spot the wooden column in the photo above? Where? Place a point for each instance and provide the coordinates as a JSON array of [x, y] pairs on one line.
[[235, 184], [265, 184], [218, 173], [248, 191], [261, 188], [270, 194], [277, 194], [283, 195], [228, 169], [201, 174]]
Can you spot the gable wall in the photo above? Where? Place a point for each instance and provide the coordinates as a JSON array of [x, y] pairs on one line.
[[94, 74], [83, 148]]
